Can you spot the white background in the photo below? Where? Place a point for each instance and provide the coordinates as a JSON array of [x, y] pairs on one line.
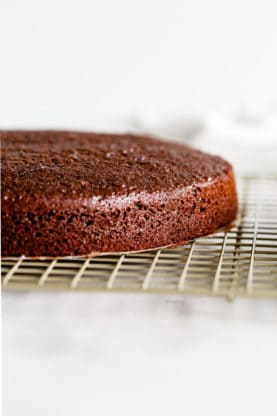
[[201, 70], [97, 63]]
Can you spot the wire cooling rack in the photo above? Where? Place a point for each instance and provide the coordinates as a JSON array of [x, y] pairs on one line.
[[238, 262]]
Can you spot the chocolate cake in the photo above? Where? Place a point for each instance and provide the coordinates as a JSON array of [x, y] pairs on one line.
[[68, 193]]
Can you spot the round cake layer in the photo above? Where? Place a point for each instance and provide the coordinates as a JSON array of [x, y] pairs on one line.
[[68, 193]]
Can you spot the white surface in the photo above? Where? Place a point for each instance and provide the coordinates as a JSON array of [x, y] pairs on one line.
[[74, 353]]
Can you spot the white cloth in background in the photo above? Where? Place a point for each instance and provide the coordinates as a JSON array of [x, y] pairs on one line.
[[247, 137]]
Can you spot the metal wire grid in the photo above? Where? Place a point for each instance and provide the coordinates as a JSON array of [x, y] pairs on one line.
[[239, 262]]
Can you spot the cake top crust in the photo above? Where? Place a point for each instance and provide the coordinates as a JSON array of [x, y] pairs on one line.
[[84, 165]]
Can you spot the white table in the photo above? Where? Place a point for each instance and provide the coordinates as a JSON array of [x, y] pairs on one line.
[[82, 353]]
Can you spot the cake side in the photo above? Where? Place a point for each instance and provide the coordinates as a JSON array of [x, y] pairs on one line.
[[135, 223]]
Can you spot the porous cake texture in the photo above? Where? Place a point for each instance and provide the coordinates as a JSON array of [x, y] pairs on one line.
[[69, 193]]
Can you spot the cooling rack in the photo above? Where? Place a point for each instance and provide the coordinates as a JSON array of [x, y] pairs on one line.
[[238, 262]]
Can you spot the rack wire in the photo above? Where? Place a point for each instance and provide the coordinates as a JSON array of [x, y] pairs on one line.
[[239, 262]]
